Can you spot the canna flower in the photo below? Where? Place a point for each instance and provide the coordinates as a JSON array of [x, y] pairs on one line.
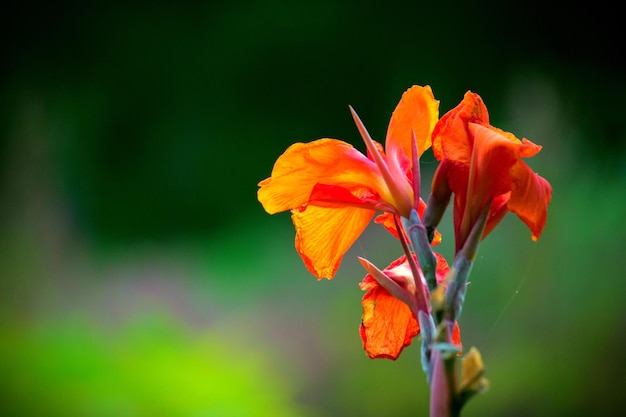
[[333, 190], [482, 165], [388, 324]]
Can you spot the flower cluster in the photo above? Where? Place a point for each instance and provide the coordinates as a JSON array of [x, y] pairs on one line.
[[334, 191]]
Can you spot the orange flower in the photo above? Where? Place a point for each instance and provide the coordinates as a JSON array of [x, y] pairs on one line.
[[388, 325], [333, 190], [482, 165]]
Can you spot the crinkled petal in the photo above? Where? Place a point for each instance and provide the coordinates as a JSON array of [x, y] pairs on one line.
[[387, 324], [323, 235], [324, 161]]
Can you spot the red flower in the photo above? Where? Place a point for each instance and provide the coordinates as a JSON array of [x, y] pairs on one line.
[[388, 325], [333, 190], [482, 165]]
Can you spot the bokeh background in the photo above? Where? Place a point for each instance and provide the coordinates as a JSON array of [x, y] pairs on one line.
[[140, 276]]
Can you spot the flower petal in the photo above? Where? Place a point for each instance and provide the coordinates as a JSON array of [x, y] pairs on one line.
[[495, 155], [324, 195], [502, 171], [387, 221], [417, 111], [497, 211], [442, 268], [323, 235], [456, 336], [450, 137], [530, 196], [323, 161], [529, 149], [387, 324]]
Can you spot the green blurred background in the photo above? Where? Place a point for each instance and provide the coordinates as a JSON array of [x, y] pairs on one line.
[[140, 276]]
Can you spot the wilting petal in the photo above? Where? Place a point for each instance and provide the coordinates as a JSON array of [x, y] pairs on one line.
[[303, 165], [417, 111], [323, 235], [530, 196], [387, 324]]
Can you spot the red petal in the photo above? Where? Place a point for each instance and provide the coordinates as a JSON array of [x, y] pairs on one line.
[[387, 325], [456, 336], [530, 197], [451, 138]]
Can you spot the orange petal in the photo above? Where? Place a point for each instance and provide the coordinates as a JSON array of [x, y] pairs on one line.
[[387, 325], [398, 191], [529, 149], [323, 235], [530, 196], [451, 137], [417, 111], [324, 161], [508, 135], [387, 221]]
